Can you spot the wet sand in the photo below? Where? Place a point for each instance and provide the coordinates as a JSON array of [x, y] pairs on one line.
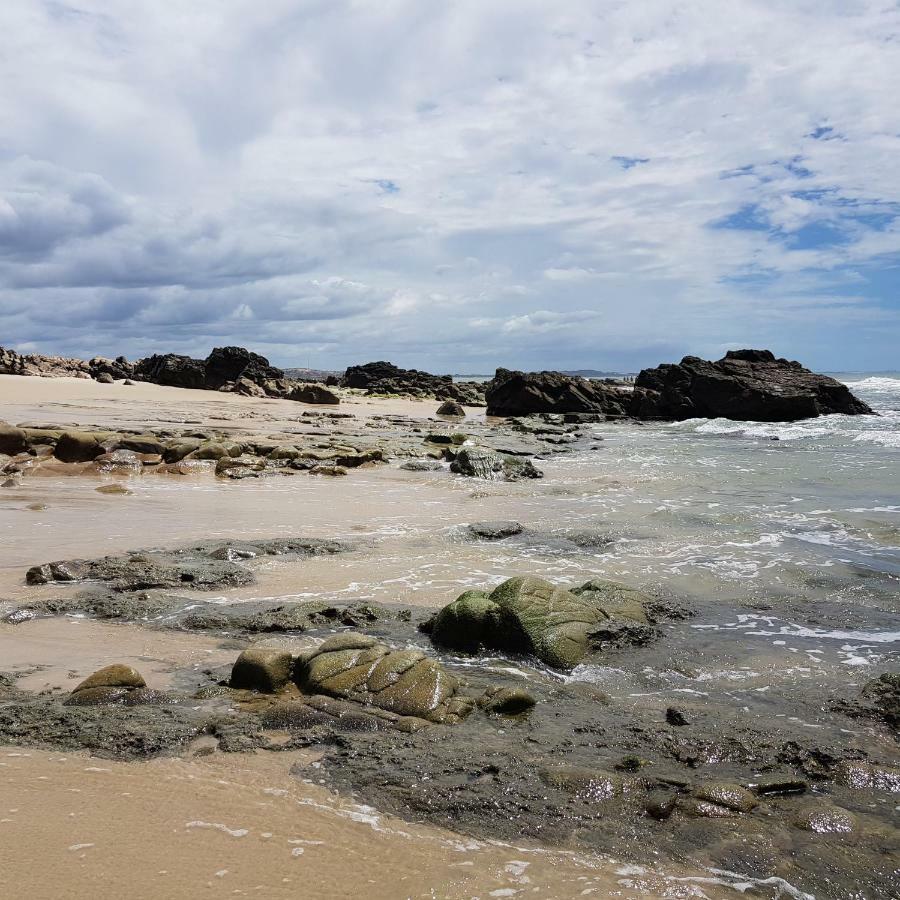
[[228, 825]]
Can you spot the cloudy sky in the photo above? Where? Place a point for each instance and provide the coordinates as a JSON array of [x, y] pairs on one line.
[[452, 185]]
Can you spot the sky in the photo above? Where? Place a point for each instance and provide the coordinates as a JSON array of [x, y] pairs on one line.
[[452, 185]]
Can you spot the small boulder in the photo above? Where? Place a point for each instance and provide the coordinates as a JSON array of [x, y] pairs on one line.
[[824, 818], [262, 669], [12, 440], [422, 465], [507, 701], [113, 684], [722, 793], [451, 408], [494, 531], [105, 378]]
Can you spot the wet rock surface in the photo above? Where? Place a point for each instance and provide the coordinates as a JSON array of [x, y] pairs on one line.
[[200, 567], [524, 753], [531, 616]]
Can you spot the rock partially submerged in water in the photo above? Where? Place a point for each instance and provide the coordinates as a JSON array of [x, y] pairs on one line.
[[744, 385], [531, 616], [526, 393], [406, 682], [202, 567], [494, 531], [487, 464]]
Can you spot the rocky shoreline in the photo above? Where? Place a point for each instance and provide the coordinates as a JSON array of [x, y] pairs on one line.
[[419, 717], [744, 385], [481, 716]]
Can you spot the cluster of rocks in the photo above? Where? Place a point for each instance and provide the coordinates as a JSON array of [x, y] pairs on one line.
[[231, 369], [35, 364], [22, 449], [386, 378], [744, 385]]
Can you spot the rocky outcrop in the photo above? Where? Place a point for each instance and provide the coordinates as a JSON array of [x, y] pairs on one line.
[[386, 378], [226, 368], [228, 364], [531, 616], [527, 393], [405, 682], [201, 567], [747, 385]]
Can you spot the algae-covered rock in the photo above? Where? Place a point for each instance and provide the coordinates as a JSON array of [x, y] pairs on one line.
[[494, 531], [468, 623], [532, 616], [616, 600], [542, 619], [405, 682], [506, 701], [263, 669], [116, 675]]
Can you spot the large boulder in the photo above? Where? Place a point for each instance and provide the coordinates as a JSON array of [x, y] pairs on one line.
[[744, 385], [527, 393], [405, 682], [531, 616]]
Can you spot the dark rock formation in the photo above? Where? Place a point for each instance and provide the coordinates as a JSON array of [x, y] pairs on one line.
[[526, 393], [386, 378], [228, 368], [228, 364], [314, 393], [172, 370], [744, 385]]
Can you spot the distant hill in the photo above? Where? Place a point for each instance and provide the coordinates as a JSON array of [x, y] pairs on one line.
[[309, 374]]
